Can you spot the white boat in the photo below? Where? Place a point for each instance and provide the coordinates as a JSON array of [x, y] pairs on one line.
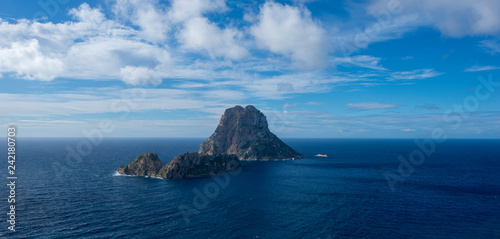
[[321, 155]]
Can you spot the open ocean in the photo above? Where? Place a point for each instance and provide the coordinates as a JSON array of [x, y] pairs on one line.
[[454, 193]]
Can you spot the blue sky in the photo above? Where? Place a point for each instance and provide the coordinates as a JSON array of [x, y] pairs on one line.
[[332, 69]]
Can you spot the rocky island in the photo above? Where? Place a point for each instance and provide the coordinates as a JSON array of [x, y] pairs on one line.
[[192, 165], [242, 134], [147, 164]]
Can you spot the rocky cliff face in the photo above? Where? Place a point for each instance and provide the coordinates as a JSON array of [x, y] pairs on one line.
[[244, 132], [192, 165], [147, 164]]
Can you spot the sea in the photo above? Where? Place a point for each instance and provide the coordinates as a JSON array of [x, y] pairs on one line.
[[364, 188]]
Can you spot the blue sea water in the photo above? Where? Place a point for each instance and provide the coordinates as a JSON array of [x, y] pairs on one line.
[[453, 193]]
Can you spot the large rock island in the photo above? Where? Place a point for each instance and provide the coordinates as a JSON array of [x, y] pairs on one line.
[[242, 134]]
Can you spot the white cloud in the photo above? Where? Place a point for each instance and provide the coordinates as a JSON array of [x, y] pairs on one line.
[[148, 15], [88, 23], [482, 68], [199, 34], [455, 18], [415, 74], [91, 47], [371, 106], [360, 61], [292, 32], [139, 76], [183, 10], [84, 13], [103, 58], [28, 62], [491, 46]]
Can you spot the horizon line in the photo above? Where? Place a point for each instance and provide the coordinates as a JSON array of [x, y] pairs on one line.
[[204, 137]]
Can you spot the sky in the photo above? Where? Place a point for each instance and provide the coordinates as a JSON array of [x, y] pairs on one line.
[[316, 69]]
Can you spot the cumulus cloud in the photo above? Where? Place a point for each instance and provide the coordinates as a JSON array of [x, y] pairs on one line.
[[102, 58], [84, 13], [148, 15], [28, 62], [290, 31], [87, 23], [139, 76], [199, 34], [455, 18], [90, 47], [371, 106], [414, 75], [183, 10]]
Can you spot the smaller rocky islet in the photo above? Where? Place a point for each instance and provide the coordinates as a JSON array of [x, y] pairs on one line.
[[192, 165], [147, 164], [242, 134]]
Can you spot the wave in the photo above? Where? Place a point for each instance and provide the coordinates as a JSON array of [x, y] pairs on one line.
[[126, 175]]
